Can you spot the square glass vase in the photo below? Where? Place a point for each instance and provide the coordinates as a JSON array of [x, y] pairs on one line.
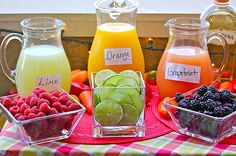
[[118, 107]]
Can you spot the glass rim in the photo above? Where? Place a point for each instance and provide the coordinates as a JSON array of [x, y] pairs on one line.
[[44, 24], [97, 4], [187, 24]]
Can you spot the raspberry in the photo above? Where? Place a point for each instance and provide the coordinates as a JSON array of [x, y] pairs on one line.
[[17, 115], [23, 107], [52, 111], [32, 115], [64, 108], [7, 102], [14, 110], [74, 106], [36, 109], [68, 103], [54, 99], [39, 114], [27, 100], [63, 99], [19, 103], [28, 111], [43, 101], [55, 93], [34, 101], [57, 105], [44, 96], [22, 117], [63, 93], [44, 107]]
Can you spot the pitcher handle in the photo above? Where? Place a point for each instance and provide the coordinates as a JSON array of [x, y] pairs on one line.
[[218, 36], [3, 59]]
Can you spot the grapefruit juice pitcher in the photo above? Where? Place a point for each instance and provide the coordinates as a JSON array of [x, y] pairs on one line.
[[116, 45], [42, 61], [185, 63]]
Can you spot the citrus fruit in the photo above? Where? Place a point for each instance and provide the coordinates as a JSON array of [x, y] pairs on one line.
[[129, 90], [96, 98], [113, 79], [131, 73], [137, 101], [102, 75], [130, 114], [108, 112], [105, 91], [121, 98], [127, 81]]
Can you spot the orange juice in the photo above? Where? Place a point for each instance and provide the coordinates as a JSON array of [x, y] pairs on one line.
[[116, 46], [182, 69]]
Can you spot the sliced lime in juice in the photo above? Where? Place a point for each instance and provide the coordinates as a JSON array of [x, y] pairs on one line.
[[127, 81], [137, 102], [113, 79], [102, 75], [129, 90], [131, 73], [121, 98], [130, 114], [108, 112], [105, 91]]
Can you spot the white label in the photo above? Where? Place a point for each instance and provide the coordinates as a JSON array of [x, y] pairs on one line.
[[48, 82], [230, 36], [182, 72], [117, 56]]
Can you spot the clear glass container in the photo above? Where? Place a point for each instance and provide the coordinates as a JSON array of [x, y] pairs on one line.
[[116, 44], [200, 125], [46, 128], [222, 18], [42, 61], [128, 124]]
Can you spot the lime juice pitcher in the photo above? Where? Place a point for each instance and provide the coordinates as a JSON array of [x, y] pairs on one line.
[[42, 61], [186, 64]]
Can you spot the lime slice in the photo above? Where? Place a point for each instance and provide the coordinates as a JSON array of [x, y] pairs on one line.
[[105, 91], [127, 81], [130, 114], [113, 79], [128, 90], [96, 99], [108, 112], [137, 102], [131, 73], [120, 98], [102, 75]]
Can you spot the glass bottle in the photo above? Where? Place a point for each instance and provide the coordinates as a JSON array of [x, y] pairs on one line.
[[222, 19], [116, 45]]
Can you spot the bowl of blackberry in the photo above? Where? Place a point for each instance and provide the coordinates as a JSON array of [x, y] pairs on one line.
[[205, 113]]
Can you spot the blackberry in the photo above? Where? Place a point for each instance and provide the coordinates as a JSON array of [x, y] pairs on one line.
[[184, 103], [207, 95], [219, 112], [212, 89], [217, 96], [202, 90], [196, 96], [210, 104], [226, 96], [179, 97], [231, 105], [195, 105], [227, 110], [208, 113]]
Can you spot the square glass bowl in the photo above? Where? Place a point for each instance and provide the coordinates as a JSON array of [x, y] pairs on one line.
[[124, 104], [200, 125], [46, 128]]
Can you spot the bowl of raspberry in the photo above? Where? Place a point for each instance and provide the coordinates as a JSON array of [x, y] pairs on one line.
[[42, 116], [205, 113]]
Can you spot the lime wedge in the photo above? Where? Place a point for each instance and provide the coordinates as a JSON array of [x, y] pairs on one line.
[[137, 102], [102, 75], [130, 114], [105, 91], [113, 79], [120, 98], [96, 99], [131, 73], [108, 112], [128, 90], [127, 81]]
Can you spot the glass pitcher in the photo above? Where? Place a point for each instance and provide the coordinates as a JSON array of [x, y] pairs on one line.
[[42, 61], [186, 64], [116, 45]]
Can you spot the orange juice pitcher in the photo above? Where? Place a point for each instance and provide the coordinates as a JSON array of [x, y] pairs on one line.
[[186, 64], [116, 45]]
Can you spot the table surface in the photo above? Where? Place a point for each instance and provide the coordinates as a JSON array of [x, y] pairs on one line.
[[170, 144]]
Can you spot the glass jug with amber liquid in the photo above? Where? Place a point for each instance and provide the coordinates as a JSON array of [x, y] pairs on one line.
[[116, 45]]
